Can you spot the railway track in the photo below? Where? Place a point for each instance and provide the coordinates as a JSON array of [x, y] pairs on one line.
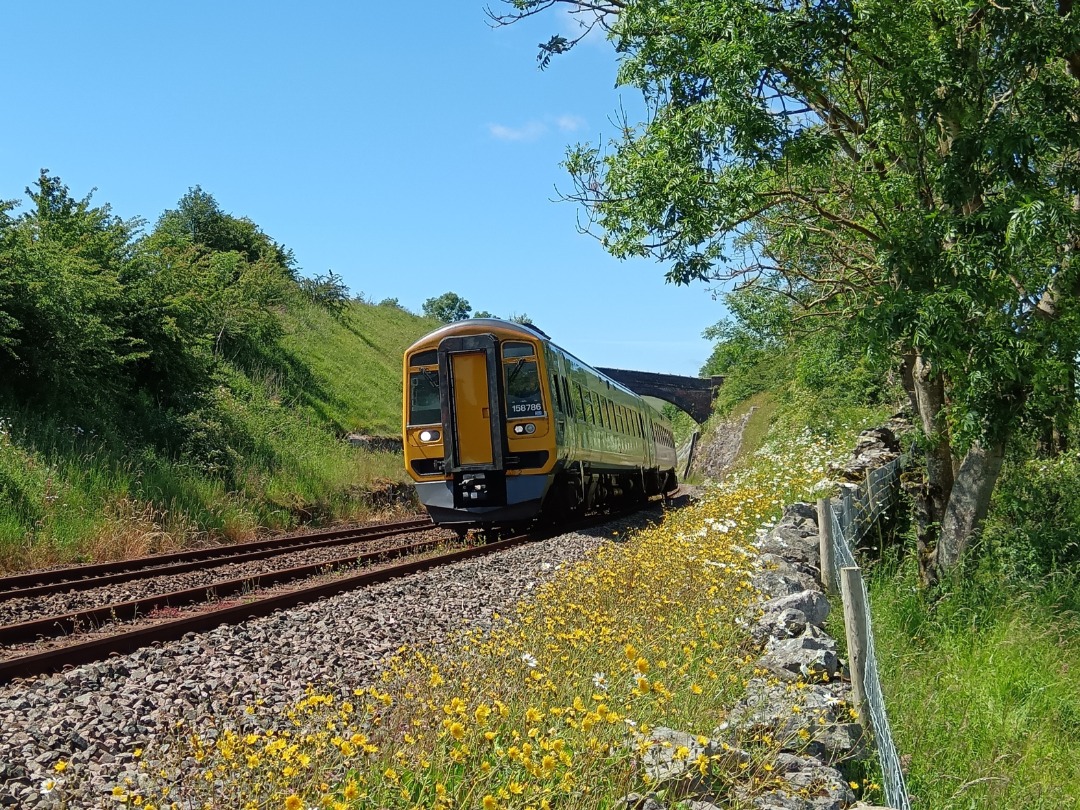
[[51, 643]]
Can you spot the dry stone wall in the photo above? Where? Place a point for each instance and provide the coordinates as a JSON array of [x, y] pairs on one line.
[[799, 699]]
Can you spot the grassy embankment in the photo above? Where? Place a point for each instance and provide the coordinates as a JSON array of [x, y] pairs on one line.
[[264, 451], [982, 679]]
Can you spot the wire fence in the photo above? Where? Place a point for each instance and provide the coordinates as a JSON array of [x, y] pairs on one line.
[[853, 514]]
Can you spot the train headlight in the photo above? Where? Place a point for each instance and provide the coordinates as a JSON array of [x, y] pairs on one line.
[[429, 435], [530, 428], [519, 429]]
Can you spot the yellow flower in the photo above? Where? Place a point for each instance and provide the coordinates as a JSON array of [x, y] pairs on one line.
[[533, 715], [489, 802], [482, 713], [457, 731], [641, 665], [352, 790], [60, 766], [294, 802]]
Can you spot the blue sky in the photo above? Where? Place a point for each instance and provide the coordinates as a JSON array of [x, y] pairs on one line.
[[409, 147]]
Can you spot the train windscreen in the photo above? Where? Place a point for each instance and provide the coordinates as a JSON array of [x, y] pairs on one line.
[[522, 385], [425, 407]]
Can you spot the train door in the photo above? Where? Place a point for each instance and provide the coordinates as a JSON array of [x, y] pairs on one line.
[[473, 419]]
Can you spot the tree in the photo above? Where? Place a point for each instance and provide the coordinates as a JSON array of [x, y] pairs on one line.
[[199, 220], [448, 307], [915, 169], [63, 335], [483, 313], [329, 292]]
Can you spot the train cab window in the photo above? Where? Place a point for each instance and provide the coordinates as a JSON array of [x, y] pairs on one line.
[[521, 381], [425, 407], [558, 393], [428, 358], [517, 348]]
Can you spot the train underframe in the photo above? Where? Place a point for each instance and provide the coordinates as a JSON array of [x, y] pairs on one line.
[[493, 502]]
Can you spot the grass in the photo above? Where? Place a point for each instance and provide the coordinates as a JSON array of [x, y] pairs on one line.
[[264, 450], [983, 690], [550, 707]]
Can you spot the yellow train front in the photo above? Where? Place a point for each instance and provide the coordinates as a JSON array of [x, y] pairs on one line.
[[501, 426]]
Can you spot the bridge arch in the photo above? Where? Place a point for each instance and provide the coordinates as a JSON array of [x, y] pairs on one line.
[[691, 394]]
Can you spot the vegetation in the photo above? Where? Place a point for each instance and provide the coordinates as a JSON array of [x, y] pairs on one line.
[[912, 169], [183, 383], [448, 307], [549, 707]]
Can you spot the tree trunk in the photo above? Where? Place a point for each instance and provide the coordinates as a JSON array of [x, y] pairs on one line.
[[968, 503], [926, 389]]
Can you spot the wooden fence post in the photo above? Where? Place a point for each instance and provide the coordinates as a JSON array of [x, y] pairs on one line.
[[690, 454], [826, 557], [855, 628]]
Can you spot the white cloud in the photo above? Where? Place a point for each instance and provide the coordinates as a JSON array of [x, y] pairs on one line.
[[529, 131], [569, 123], [536, 128]]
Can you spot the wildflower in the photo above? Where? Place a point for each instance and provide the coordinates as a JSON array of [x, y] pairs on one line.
[[60, 766], [48, 786], [294, 802], [489, 802], [529, 660], [352, 790], [599, 681]]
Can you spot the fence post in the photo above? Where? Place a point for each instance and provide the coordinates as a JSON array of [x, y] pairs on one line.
[[855, 628], [825, 544], [871, 501], [690, 454]]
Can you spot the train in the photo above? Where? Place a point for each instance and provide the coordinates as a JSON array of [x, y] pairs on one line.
[[501, 428]]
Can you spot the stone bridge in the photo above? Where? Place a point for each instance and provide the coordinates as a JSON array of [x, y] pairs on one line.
[[691, 394]]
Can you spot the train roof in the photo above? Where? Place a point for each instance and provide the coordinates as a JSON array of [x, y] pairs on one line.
[[527, 330]]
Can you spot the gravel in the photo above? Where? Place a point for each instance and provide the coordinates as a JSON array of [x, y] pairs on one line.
[[94, 716]]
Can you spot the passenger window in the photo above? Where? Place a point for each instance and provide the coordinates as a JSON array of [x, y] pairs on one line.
[[558, 393]]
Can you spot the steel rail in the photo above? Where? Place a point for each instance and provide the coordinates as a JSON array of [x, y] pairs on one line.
[[130, 640], [121, 643], [81, 621], [99, 574]]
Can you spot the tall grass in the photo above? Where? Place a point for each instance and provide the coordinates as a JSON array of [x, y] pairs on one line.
[[983, 689]]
